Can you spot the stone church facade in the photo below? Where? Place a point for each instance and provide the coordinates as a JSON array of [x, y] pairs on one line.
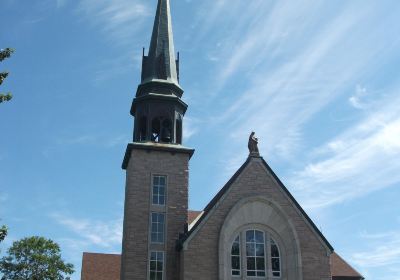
[[252, 229]]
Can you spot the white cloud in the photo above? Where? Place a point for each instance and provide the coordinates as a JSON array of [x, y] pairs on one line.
[[190, 128], [119, 140], [120, 19], [92, 232], [361, 160], [384, 250], [277, 103], [356, 100]]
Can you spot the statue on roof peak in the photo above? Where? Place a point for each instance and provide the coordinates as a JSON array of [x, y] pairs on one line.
[[253, 145]]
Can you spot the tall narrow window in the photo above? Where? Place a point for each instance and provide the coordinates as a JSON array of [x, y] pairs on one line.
[[262, 252], [159, 190], [255, 256], [156, 265], [275, 259], [166, 135], [143, 129], [157, 227], [155, 130], [178, 131], [235, 257]]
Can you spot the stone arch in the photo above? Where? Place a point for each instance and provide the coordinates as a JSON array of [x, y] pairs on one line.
[[261, 212]]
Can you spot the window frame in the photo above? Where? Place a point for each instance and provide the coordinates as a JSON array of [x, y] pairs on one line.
[[268, 236], [240, 257], [158, 186], [255, 243], [271, 257], [157, 232], [156, 260]]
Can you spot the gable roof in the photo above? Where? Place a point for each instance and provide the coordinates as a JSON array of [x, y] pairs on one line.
[[227, 186], [100, 266], [340, 268]]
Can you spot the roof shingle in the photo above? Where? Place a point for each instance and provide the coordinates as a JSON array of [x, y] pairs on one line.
[[100, 266]]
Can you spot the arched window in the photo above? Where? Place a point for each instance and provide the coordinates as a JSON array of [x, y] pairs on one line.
[[166, 134], [161, 130], [155, 130], [261, 258]]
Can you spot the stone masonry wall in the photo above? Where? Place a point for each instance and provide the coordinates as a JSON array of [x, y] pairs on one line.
[[135, 248], [200, 257]]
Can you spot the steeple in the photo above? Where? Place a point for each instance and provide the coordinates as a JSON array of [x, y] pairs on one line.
[[157, 107], [161, 64], [156, 164]]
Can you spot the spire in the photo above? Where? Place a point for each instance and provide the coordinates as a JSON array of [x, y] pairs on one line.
[[160, 64]]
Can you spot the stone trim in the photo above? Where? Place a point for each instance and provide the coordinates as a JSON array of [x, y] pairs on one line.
[[151, 146], [235, 222]]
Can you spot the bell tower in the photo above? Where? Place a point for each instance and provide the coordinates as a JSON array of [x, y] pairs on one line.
[[158, 108], [156, 163]]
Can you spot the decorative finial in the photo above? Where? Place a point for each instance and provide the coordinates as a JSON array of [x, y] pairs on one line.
[[253, 145]]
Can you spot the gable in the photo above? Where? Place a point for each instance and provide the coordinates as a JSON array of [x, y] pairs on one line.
[[277, 182]]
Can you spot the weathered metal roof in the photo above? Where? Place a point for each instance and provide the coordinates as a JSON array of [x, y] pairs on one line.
[[161, 64]]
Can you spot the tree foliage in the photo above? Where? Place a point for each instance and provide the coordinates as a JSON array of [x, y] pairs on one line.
[[34, 258], [3, 232], [5, 53]]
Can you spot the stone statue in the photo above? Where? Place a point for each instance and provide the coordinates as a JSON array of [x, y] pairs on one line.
[[253, 145]]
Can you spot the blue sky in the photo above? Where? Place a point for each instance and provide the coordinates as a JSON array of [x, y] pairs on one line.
[[317, 80]]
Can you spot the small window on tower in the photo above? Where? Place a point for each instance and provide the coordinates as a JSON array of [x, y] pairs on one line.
[[159, 190], [157, 227]]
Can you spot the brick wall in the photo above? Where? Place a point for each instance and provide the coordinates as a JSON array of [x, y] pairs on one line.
[[200, 256], [135, 247]]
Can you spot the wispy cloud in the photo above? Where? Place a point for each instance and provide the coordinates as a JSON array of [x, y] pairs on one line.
[[356, 100], [190, 128], [278, 97], [384, 250], [292, 79], [362, 159], [94, 139], [119, 19], [93, 232]]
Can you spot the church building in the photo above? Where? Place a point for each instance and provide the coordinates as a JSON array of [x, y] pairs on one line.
[[252, 229]]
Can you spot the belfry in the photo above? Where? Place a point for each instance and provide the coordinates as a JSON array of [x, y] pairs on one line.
[[158, 108]]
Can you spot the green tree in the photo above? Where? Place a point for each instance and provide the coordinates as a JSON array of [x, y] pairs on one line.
[[3, 232], [4, 53], [34, 258]]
